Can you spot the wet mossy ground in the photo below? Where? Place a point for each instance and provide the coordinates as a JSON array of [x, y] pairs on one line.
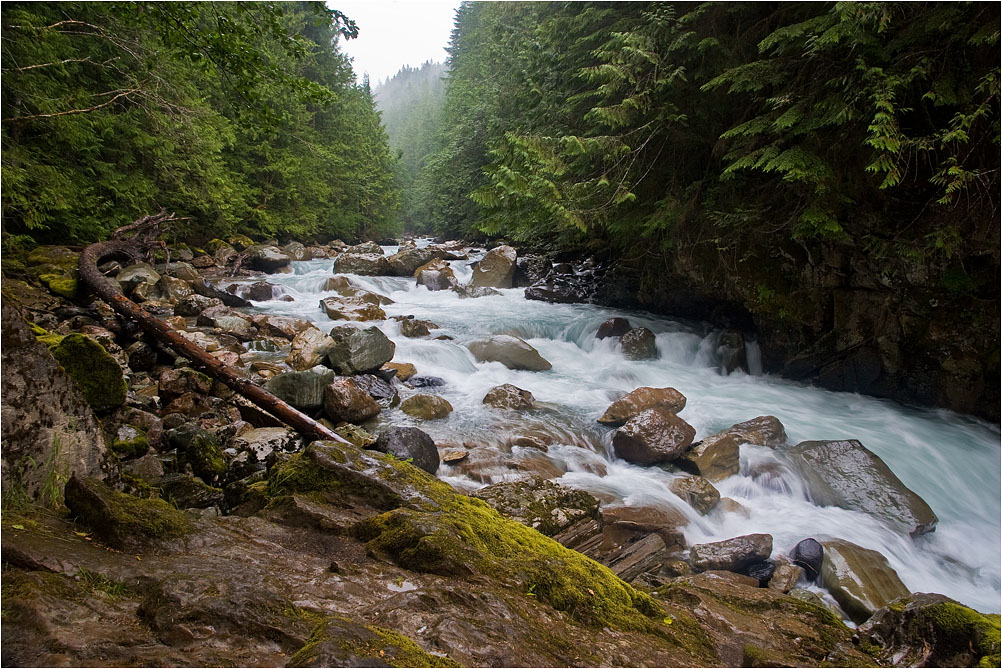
[[339, 641]]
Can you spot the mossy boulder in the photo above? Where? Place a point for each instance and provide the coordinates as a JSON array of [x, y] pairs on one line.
[[93, 370], [123, 521], [426, 407], [200, 449], [546, 506], [130, 441], [63, 285], [340, 642], [59, 256], [928, 630]]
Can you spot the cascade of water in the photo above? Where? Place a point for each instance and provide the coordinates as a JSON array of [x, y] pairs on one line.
[[952, 461]]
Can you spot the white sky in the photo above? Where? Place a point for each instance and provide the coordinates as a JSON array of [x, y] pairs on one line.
[[394, 33]]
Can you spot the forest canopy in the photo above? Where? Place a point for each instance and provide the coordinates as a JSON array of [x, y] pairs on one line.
[[245, 117]]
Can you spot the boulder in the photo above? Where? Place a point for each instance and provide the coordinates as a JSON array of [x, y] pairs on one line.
[[467, 290], [847, 475], [174, 290], [653, 436], [761, 431], [809, 554], [267, 258], [529, 270], [369, 247], [303, 390], [415, 327], [356, 350], [435, 275], [714, 458], [309, 348], [639, 344], [182, 270], [286, 327], [403, 370], [785, 577], [178, 381], [134, 275], [731, 554], [260, 442], [364, 264], [496, 269], [425, 382], [345, 401], [927, 630], [562, 289], [259, 291], [378, 389], [351, 309], [189, 492], [637, 401], [297, 251], [405, 261], [345, 287], [614, 327], [859, 579], [193, 305], [544, 505], [509, 397], [426, 407], [697, 492], [409, 443], [512, 352], [229, 321]]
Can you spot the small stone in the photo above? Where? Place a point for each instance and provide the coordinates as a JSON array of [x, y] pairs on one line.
[[452, 457], [426, 407], [509, 397]]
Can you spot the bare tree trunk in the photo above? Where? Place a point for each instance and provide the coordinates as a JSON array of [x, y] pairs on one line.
[[111, 293]]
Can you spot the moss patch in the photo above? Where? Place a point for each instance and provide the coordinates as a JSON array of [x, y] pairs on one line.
[[961, 626], [95, 373], [131, 446], [64, 285], [341, 642]]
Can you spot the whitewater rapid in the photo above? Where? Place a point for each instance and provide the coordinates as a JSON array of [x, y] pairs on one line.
[[951, 461]]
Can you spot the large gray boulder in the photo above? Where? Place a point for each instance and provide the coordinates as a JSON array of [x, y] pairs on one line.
[[405, 261], [653, 436], [365, 264], [731, 554], [356, 350], [303, 390], [267, 258], [409, 443], [496, 269], [859, 579], [512, 352], [847, 475]]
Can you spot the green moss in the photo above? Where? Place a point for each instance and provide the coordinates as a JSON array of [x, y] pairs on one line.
[[120, 518], [64, 285], [348, 641], [58, 256], [240, 242], [355, 434], [95, 373], [130, 448], [205, 456], [216, 244], [965, 625], [467, 537], [99, 583]]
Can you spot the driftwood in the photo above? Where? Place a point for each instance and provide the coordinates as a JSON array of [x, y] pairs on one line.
[[145, 231]]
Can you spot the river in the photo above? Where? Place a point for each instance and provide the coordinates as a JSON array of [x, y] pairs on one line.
[[951, 461]]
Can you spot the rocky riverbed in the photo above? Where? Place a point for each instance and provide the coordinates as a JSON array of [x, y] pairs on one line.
[[153, 517]]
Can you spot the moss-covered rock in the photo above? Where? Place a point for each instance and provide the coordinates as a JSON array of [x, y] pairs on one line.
[[59, 256], [340, 642], [928, 630], [130, 442], [63, 285], [199, 448], [123, 521], [93, 370]]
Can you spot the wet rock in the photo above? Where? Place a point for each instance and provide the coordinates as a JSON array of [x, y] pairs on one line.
[[512, 352], [426, 407], [731, 351], [761, 431], [454, 457], [345, 287], [410, 444], [206, 289], [229, 321], [413, 327], [496, 269], [123, 521], [859, 579], [619, 521], [731, 554], [357, 350], [467, 291], [637, 401], [435, 275], [614, 327], [809, 554], [697, 492], [714, 458], [543, 505], [340, 642], [297, 251], [761, 571], [378, 389], [406, 261], [530, 269], [345, 401], [94, 371], [509, 397], [364, 264], [785, 577], [193, 305], [653, 436], [285, 327], [134, 275], [177, 382], [369, 247], [351, 309], [639, 344], [928, 630], [355, 434], [403, 370], [259, 291], [425, 382], [188, 492], [562, 289], [142, 356], [309, 348], [182, 270], [174, 290], [267, 259], [847, 475]]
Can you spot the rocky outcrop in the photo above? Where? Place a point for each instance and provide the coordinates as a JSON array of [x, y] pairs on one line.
[[512, 352], [847, 475]]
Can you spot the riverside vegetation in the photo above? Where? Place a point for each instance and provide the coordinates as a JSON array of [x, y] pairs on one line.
[[151, 516]]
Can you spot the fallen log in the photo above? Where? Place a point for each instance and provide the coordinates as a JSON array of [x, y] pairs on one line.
[[109, 291]]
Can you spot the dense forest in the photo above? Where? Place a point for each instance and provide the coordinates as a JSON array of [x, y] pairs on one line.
[[410, 103], [244, 117]]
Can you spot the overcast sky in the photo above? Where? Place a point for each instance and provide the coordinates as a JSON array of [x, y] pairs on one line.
[[394, 33]]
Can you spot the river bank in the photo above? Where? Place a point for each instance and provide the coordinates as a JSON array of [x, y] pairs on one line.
[[623, 514]]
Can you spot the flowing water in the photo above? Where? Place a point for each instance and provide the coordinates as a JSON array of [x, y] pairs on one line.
[[951, 461]]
